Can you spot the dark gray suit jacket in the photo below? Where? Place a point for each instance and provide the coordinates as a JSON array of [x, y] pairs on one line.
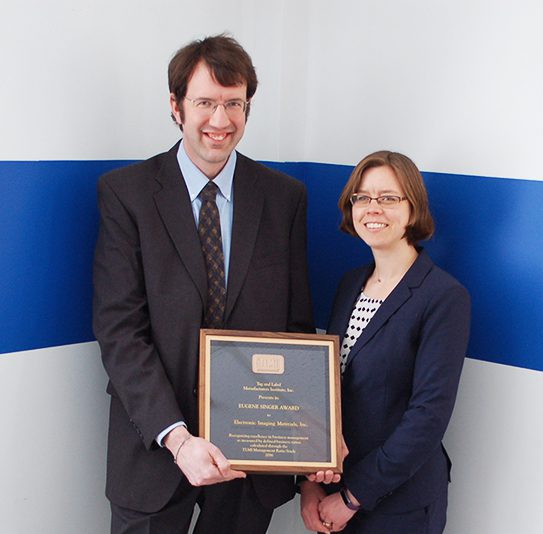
[[150, 290]]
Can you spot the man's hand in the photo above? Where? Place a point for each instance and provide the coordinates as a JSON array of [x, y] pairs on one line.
[[200, 461]]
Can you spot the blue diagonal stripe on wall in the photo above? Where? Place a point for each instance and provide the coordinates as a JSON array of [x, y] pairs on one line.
[[48, 226], [487, 236]]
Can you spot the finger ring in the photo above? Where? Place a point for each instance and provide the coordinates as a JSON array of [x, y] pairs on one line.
[[326, 524]]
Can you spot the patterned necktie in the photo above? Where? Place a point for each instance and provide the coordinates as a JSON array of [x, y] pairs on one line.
[[209, 230]]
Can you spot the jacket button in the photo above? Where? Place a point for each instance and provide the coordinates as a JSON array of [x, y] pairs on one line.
[[194, 392]]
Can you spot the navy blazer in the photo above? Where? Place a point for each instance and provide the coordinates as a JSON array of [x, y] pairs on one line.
[[400, 384]]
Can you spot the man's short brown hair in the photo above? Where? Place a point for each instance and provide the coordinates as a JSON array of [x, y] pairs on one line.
[[228, 62], [421, 224]]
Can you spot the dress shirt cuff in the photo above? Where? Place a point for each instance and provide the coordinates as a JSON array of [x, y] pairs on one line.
[[164, 433]]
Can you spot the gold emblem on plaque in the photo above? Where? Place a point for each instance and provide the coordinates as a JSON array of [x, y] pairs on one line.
[[268, 363]]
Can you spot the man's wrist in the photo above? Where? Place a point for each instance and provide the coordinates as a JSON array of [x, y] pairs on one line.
[[162, 436], [175, 438], [179, 447]]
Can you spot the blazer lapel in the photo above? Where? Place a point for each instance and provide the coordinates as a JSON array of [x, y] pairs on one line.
[[173, 204], [399, 296], [395, 300], [340, 320], [248, 203]]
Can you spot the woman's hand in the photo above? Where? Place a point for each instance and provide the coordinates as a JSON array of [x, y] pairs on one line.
[[329, 477], [324, 477], [311, 496], [333, 513]]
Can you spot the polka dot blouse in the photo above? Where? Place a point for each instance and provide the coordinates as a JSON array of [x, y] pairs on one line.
[[363, 311]]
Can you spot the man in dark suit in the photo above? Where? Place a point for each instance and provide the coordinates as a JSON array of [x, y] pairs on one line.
[[154, 290]]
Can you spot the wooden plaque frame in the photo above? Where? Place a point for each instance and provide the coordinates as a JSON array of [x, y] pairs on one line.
[[271, 401]]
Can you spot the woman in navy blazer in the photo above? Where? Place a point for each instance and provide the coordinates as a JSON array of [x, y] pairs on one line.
[[404, 325]]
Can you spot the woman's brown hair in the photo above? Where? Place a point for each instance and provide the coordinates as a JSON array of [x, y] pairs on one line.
[[421, 224]]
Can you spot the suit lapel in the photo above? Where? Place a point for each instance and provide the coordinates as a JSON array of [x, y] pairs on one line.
[[173, 204], [395, 300], [342, 317], [399, 296], [248, 204]]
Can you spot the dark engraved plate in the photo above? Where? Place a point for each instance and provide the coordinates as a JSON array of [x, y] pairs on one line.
[[271, 404]]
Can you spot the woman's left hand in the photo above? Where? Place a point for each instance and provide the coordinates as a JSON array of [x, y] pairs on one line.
[[324, 477], [333, 512], [311, 495], [329, 477]]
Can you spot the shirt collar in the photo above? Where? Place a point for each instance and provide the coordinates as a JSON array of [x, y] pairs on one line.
[[196, 180]]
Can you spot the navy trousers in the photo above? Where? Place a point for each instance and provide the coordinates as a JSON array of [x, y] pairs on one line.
[[428, 520]]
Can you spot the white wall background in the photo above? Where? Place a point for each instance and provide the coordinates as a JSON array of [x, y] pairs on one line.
[[456, 85]]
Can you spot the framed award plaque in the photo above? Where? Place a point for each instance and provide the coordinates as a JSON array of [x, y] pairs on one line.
[[271, 401]]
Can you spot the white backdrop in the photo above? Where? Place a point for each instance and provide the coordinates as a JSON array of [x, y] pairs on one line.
[[456, 85]]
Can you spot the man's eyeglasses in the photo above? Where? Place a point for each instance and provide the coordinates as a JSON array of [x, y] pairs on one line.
[[206, 106], [386, 201]]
